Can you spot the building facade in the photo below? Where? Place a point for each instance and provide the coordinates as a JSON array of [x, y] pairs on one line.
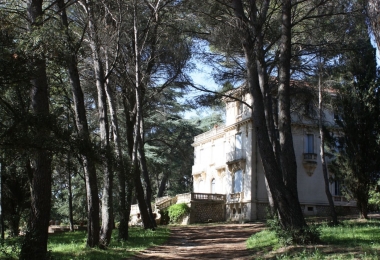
[[227, 161]]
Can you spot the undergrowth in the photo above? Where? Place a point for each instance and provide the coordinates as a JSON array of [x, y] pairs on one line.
[[72, 245], [352, 239], [177, 212]]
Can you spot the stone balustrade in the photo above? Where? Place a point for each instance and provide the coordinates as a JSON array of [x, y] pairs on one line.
[[208, 196]]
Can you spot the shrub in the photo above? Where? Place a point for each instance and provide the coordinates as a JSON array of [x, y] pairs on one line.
[[308, 235], [177, 211], [164, 217]]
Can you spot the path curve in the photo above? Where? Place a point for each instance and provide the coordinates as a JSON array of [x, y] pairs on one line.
[[224, 241]]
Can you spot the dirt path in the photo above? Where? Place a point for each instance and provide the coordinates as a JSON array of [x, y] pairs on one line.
[[225, 241]]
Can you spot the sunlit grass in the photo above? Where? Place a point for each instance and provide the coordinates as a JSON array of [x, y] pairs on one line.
[[263, 239], [72, 245], [352, 239]]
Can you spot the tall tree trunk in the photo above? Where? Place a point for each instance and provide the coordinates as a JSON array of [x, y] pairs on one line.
[[282, 179], [162, 186], [35, 241], [138, 161], [322, 148], [93, 226], [71, 219], [107, 203], [288, 158], [148, 186], [123, 211]]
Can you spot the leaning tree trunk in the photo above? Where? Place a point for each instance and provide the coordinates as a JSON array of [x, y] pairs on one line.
[[144, 171], [85, 149], [323, 161], [35, 241], [123, 211], [137, 141]]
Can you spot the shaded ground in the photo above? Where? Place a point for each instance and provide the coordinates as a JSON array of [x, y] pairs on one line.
[[222, 241]]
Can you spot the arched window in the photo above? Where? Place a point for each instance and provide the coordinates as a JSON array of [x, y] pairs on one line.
[[238, 181], [213, 190]]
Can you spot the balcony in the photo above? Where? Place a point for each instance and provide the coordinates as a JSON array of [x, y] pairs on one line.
[[310, 157], [198, 168], [310, 162], [237, 155], [343, 201], [208, 197], [236, 197], [213, 132], [236, 160]]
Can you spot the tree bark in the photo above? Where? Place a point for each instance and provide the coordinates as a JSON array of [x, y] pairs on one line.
[[282, 178], [71, 219], [35, 241], [107, 198], [322, 148], [138, 155], [288, 158], [162, 186], [85, 149], [123, 211]]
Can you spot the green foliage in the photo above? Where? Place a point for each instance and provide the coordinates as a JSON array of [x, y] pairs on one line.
[[374, 200], [263, 239], [352, 239], [308, 235], [72, 245], [164, 217], [177, 211], [358, 106]]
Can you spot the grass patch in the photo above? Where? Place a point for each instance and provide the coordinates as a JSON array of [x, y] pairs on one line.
[[352, 239], [72, 245], [261, 240]]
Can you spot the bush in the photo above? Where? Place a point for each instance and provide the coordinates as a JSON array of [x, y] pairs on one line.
[[177, 211], [374, 200], [308, 235], [164, 217]]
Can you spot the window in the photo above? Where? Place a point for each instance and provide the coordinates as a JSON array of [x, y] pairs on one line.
[[309, 143], [337, 189], [213, 186], [201, 156], [238, 146], [238, 178]]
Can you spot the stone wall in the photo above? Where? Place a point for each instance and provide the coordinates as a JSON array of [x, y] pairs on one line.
[[340, 210], [262, 210], [207, 212]]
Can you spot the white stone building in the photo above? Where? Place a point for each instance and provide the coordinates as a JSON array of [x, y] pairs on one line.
[[227, 162]]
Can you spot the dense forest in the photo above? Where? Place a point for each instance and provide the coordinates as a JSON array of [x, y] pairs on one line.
[[93, 97]]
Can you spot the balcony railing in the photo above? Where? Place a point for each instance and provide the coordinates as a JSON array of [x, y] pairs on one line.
[[340, 199], [310, 157], [236, 197], [208, 196], [216, 130], [238, 154]]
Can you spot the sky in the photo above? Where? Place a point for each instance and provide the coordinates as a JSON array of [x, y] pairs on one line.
[[202, 75]]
